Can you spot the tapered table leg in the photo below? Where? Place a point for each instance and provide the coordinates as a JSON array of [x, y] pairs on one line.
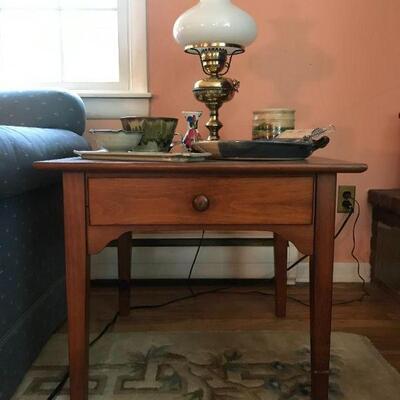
[[280, 263], [124, 272], [321, 277], [77, 282]]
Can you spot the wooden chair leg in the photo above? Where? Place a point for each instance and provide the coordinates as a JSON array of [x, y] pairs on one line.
[[124, 272], [280, 262]]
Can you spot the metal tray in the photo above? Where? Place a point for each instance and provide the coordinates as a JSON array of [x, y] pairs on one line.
[[142, 156], [284, 149]]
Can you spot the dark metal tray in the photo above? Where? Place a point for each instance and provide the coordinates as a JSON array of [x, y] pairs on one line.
[[263, 149]]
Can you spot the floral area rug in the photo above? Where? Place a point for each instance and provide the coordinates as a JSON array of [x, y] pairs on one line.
[[215, 366]]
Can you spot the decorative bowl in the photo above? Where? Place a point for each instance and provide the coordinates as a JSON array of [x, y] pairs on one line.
[[116, 140], [158, 133]]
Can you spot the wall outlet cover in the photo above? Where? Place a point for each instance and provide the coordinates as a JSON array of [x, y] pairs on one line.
[[341, 198]]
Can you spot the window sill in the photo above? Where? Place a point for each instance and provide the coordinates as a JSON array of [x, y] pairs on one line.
[[113, 94], [114, 105]]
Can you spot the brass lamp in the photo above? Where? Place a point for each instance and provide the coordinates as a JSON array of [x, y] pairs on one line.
[[215, 30]]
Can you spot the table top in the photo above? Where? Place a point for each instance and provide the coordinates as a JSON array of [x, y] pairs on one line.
[[311, 165]]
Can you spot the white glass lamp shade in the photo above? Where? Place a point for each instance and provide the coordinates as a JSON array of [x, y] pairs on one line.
[[215, 21]]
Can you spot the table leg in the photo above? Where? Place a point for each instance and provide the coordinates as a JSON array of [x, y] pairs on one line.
[[321, 277], [77, 282], [280, 264], [124, 272]]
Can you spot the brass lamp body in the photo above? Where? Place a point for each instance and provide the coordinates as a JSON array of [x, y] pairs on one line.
[[215, 90]]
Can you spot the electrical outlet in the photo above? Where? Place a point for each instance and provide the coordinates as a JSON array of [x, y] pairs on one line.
[[345, 194]]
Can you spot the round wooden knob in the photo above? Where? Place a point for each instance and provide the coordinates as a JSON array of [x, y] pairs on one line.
[[201, 203]]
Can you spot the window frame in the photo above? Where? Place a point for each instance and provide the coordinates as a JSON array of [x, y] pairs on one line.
[[106, 100]]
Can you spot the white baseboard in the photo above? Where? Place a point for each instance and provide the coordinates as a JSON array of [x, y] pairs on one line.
[[175, 263], [213, 263]]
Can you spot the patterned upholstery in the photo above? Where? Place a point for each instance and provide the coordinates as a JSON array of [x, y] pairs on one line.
[[21, 146], [43, 109], [32, 285]]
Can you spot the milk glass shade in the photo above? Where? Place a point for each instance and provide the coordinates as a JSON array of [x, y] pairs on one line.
[[215, 30], [215, 21]]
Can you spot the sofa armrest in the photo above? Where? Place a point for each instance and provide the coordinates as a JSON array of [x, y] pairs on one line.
[[56, 109], [21, 146]]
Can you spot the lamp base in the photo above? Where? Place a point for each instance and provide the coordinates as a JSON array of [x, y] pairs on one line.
[[214, 92]]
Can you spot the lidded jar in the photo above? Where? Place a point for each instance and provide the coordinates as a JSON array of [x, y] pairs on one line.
[[271, 122]]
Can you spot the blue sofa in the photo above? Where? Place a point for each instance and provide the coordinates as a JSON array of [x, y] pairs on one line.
[[34, 125]]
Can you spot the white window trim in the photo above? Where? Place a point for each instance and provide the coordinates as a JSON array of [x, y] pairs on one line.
[[132, 97], [135, 101]]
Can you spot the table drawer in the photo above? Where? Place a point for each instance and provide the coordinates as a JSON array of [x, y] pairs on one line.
[[200, 201]]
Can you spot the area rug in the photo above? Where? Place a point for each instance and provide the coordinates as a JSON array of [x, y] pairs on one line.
[[215, 366]]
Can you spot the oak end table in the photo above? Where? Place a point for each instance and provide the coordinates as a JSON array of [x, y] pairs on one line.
[[104, 201]]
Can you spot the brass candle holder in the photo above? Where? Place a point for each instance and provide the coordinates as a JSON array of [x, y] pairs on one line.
[[215, 90]]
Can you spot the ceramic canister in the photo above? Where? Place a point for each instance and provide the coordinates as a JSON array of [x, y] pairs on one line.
[[270, 123]]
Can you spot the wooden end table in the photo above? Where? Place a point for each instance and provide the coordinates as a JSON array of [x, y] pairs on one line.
[[108, 200]]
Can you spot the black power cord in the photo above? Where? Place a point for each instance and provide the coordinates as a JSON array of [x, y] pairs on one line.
[[109, 325], [193, 294], [353, 249], [340, 230], [348, 204], [65, 377], [194, 263]]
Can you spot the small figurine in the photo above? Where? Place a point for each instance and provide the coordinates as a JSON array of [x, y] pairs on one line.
[[192, 134]]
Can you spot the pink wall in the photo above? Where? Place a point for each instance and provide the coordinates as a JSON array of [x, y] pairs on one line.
[[334, 62]]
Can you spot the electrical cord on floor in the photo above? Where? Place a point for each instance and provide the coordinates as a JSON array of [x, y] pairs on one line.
[[353, 249], [194, 262], [354, 241], [337, 234], [192, 295], [223, 290], [65, 377]]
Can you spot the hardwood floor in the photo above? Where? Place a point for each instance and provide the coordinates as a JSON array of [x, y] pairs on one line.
[[377, 317]]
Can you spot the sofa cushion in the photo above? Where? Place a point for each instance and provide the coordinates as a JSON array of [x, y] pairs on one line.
[[21, 146], [21, 345], [58, 109], [31, 251]]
